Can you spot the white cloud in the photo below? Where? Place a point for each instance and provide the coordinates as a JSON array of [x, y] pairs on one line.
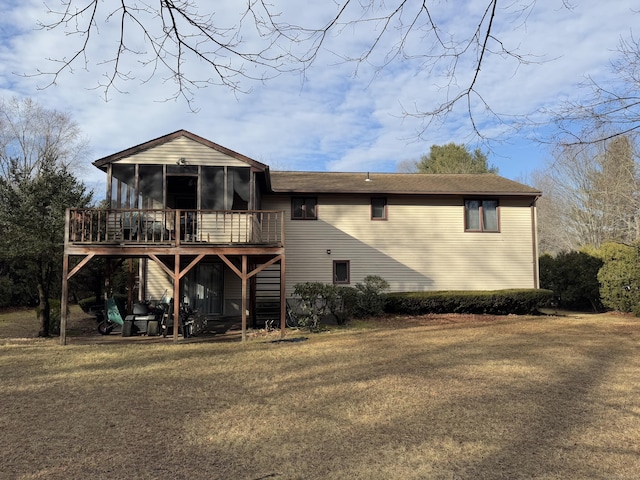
[[334, 119]]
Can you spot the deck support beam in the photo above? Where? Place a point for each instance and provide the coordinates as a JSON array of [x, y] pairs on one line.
[[65, 300], [244, 298]]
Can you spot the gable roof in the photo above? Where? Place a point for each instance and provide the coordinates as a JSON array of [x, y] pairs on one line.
[[398, 183], [339, 182], [103, 162]]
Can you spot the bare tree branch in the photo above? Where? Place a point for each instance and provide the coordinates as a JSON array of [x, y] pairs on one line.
[[591, 196], [608, 110], [260, 43]]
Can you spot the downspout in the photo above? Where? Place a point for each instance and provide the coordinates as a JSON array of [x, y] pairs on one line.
[[534, 240]]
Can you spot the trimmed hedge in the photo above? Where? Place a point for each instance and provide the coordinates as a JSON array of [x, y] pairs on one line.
[[497, 302], [86, 304]]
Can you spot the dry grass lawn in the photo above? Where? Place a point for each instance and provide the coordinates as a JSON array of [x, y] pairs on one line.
[[442, 397]]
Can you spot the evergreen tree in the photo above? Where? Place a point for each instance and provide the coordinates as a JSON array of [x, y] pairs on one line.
[[454, 158], [32, 223]]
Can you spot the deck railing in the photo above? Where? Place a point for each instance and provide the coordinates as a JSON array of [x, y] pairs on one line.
[[174, 227]]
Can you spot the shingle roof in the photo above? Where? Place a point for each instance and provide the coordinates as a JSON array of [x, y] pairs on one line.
[[397, 183]]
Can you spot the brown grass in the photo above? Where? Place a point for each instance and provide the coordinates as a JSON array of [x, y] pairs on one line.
[[434, 397]]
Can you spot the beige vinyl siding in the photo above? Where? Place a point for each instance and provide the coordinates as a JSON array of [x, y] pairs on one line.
[[194, 152], [232, 293], [157, 281], [422, 245]]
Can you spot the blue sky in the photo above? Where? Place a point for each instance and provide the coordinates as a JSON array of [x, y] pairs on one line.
[[337, 118]]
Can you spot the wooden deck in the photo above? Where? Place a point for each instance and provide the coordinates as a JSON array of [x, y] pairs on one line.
[[246, 241], [166, 229]]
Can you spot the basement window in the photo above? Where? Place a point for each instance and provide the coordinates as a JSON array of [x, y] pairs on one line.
[[341, 272]]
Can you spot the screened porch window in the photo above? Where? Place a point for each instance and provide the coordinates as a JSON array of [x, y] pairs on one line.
[[123, 186], [150, 194], [481, 216]]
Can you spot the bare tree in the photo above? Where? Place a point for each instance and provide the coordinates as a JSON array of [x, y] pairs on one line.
[[407, 166], [261, 42], [591, 195], [553, 232], [616, 185], [607, 110], [30, 133]]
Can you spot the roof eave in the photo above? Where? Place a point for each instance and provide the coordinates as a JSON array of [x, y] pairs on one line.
[[405, 192]]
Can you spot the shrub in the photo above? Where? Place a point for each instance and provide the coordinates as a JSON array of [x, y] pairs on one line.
[[369, 298], [500, 302], [86, 304], [315, 301], [6, 287], [573, 277], [620, 277], [343, 303], [319, 299]]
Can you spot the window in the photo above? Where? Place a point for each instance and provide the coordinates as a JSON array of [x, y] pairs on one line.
[[481, 216], [378, 208], [340, 271], [304, 208]]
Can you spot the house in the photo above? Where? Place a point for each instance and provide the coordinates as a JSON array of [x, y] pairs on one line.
[[232, 238]]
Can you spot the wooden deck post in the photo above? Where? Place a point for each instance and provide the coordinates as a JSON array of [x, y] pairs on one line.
[[283, 298], [176, 297], [244, 298], [65, 300]]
